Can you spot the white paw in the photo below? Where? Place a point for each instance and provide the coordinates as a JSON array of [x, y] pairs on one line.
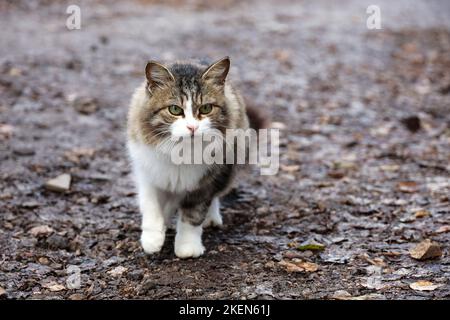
[[189, 249], [152, 241]]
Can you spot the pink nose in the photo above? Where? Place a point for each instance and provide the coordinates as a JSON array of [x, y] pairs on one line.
[[192, 128]]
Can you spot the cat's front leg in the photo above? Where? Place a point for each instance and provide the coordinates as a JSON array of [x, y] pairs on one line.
[[153, 222], [188, 240]]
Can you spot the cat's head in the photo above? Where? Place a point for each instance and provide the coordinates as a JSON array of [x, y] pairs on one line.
[[184, 100]]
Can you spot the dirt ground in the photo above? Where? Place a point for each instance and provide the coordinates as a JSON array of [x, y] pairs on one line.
[[365, 149]]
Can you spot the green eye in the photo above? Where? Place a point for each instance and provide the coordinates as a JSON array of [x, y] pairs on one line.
[[175, 110], [206, 108]]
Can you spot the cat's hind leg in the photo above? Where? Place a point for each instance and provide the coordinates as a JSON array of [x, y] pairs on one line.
[[213, 217]]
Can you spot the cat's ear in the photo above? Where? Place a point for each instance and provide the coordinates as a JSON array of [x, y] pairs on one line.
[[217, 72], [157, 75]]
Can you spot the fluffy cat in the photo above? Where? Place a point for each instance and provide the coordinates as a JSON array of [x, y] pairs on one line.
[[180, 100]]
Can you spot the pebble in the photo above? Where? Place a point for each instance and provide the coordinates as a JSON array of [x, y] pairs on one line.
[[59, 184]]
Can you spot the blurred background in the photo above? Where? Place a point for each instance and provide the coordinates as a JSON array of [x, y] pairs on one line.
[[365, 149]]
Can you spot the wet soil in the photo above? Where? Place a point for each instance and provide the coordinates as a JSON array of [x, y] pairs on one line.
[[365, 149]]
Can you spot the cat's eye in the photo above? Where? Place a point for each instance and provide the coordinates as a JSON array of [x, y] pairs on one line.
[[206, 108], [175, 110]]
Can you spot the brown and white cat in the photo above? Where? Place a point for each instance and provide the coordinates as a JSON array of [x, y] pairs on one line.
[[180, 100]]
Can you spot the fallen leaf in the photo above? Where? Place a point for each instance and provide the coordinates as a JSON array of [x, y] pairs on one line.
[[379, 262], [117, 271], [308, 266], [76, 154], [408, 186], [311, 246], [59, 184], [341, 295], [390, 167], [42, 230], [85, 105], [278, 125], [76, 296], [426, 250], [374, 282], [15, 72], [336, 174], [422, 214], [291, 168], [424, 286], [443, 229], [371, 296], [290, 267], [6, 131], [54, 286]]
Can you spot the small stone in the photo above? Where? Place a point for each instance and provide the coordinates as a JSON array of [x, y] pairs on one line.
[[426, 250], [43, 260], [59, 184], [2, 292], [40, 231]]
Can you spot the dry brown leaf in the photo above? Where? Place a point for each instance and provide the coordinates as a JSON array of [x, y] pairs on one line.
[[42, 230], [118, 271], [426, 250], [6, 131], [290, 168], [76, 154], [422, 214], [443, 229], [424, 286], [278, 125], [290, 267], [308, 266], [408, 186], [54, 286]]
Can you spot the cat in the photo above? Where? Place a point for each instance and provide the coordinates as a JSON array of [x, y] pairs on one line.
[[182, 99]]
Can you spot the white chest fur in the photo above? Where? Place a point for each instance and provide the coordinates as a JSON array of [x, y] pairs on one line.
[[158, 170]]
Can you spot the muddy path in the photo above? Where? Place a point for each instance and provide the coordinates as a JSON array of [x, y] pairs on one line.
[[365, 150]]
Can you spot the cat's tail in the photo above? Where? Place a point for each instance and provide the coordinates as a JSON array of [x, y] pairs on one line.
[[257, 118]]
